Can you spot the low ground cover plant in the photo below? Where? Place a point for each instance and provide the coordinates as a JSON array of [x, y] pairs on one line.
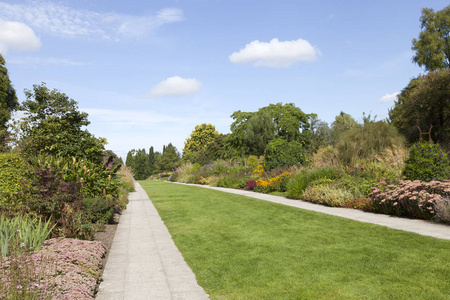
[[416, 199]]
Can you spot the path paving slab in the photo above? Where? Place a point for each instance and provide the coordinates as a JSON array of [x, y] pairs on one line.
[[422, 227], [144, 262]]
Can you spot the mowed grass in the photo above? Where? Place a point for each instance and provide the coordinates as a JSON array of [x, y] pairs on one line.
[[244, 248]]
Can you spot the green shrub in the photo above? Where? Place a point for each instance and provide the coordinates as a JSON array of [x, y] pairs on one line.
[[326, 194], [427, 162], [362, 144], [280, 153], [13, 180], [100, 210], [302, 179], [233, 181]]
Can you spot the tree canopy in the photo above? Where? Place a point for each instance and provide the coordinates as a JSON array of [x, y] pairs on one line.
[[8, 101], [424, 102], [252, 131], [433, 45], [199, 140], [54, 125]]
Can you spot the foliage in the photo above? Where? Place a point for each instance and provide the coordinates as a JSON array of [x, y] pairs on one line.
[[200, 138], [410, 198], [432, 47], [126, 176], [274, 184], [304, 177], [321, 134], [362, 144], [342, 123], [427, 162], [252, 131], [22, 233], [53, 125], [60, 201], [100, 210], [281, 153], [325, 157], [326, 194], [425, 102], [8, 101], [13, 177], [168, 160], [235, 181]]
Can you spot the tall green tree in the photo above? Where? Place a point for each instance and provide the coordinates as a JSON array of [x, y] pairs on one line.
[[424, 102], [433, 45], [252, 131], [54, 125], [168, 160], [8, 102], [198, 141]]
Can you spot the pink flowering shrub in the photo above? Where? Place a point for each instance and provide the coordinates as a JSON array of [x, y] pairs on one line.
[[63, 269], [417, 199]]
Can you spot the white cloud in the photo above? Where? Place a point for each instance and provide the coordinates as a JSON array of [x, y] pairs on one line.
[[176, 86], [59, 20], [389, 97], [276, 53], [17, 36]]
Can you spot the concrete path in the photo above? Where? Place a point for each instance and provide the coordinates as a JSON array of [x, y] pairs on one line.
[[144, 263], [418, 226]]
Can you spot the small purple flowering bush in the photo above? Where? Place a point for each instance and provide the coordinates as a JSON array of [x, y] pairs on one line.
[[63, 269], [416, 199], [427, 162]]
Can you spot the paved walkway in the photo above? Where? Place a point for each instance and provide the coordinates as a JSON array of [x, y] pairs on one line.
[[418, 226], [144, 263]]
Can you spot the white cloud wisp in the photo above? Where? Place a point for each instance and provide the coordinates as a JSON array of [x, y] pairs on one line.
[[275, 54], [389, 97], [17, 36], [63, 21], [175, 86]]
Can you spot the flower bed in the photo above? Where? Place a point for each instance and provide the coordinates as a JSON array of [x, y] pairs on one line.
[[63, 269]]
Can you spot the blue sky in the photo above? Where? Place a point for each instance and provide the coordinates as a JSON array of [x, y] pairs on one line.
[[147, 72]]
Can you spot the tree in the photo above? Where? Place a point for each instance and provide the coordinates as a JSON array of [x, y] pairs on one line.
[[8, 102], [168, 160], [433, 45], [198, 141], [252, 131], [424, 102], [342, 123], [321, 134], [280, 153], [54, 125]]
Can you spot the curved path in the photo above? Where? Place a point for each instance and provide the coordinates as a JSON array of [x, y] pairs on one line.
[[413, 225], [144, 263]]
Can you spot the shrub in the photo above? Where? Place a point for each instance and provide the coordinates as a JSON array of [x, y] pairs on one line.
[[13, 180], [326, 194], [427, 162], [364, 204], [410, 198], [304, 177], [126, 176], [100, 210], [325, 157], [281, 153], [274, 184], [235, 181], [362, 144]]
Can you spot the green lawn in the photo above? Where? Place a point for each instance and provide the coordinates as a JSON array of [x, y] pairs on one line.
[[244, 248]]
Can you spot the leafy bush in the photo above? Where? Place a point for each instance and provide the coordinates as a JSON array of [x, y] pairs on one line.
[[274, 184], [410, 198], [100, 210], [326, 194], [364, 204], [362, 144], [325, 157], [13, 180], [427, 162], [126, 176], [281, 153], [234, 181], [302, 179]]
